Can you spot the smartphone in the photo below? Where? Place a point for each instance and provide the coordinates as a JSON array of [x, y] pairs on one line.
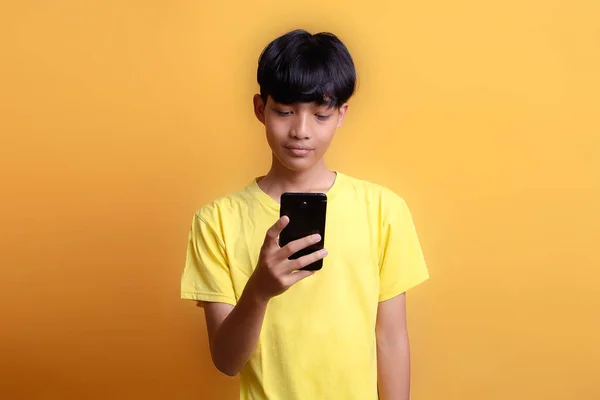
[[306, 212]]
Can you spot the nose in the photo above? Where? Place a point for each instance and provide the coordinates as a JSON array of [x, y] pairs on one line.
[[300, 128]]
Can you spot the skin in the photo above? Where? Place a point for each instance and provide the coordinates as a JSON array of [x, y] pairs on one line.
[[299, 136], [305, 125]]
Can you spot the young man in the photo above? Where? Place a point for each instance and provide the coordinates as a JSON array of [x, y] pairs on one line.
[[337, 333]]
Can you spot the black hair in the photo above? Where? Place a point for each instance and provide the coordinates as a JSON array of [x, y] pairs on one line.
[[300, 67]]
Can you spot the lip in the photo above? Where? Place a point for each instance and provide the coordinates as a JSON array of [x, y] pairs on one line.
[[299, 150]]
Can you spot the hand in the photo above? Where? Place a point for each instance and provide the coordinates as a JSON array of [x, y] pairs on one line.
[[274, 273]]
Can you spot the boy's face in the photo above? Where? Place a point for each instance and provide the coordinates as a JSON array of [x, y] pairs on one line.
[[298, 134]]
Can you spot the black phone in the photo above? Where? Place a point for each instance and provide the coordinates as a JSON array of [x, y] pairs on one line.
[[307, 212]]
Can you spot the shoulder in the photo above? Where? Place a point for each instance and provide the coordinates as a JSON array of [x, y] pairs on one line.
[[380, 196], [231, 204]]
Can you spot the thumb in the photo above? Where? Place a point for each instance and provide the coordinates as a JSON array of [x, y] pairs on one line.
[[272, 237]]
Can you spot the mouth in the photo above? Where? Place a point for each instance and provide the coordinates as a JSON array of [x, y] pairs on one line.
[[299, 150]]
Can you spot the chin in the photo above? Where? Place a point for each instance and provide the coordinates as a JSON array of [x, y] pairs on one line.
[[297, 167], [297, 164]]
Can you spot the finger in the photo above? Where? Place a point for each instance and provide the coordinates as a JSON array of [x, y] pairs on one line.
[[297, 245], [298, 276], [299, 263], [273, 232]]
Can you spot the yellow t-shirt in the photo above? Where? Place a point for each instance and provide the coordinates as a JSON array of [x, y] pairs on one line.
[[318, 338]]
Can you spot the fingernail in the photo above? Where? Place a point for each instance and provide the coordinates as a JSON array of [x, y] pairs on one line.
[[324, 252], [316, 238]]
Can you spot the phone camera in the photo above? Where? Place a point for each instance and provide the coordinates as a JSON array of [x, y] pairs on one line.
[[304, 205]]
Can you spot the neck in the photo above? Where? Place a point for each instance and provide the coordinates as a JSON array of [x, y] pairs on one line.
[[280, 179]]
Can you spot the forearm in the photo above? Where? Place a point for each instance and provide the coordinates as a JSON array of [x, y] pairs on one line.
[[393, 366], [234, 341]]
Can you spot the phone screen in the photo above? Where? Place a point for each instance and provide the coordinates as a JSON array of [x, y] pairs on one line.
[[307, 212]]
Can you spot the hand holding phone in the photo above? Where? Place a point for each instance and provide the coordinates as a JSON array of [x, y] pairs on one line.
[[276, 272]]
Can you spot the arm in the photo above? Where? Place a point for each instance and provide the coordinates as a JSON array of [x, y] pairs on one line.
[[233, 331], [393, 359]]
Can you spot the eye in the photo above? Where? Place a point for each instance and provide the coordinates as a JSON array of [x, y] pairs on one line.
[[321, 117], [283, 113]]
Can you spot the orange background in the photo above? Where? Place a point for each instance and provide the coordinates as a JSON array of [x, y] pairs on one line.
[[120, 119]]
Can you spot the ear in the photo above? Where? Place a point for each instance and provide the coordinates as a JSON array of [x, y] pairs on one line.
[[342, 114], [259, 108]]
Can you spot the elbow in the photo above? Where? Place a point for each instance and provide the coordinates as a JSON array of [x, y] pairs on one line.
[[223, 362], [227, 371], [225, 367]]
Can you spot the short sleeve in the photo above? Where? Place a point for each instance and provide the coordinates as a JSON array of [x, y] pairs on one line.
[[206, 276], [402, 263]]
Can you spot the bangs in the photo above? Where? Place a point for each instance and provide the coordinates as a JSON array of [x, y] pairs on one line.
[[305, 80]]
